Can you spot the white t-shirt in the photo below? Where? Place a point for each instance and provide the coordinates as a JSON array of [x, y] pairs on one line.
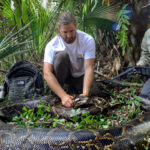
[[82, 48]]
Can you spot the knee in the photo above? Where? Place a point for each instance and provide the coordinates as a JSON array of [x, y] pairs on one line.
[[62, 55], [62, 58], [61, 63]]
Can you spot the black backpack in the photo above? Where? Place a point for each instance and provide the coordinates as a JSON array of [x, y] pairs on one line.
[[24, 80]]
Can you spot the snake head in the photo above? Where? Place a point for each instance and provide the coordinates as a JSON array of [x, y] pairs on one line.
[[80, 101]]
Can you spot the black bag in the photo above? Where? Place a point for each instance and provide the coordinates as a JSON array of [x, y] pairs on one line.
[[24, 80]]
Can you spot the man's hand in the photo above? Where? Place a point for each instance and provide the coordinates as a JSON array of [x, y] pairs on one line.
[[55, 86], [67, 100]]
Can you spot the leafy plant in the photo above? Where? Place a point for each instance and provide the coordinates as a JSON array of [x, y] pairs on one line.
[[41, 28], [123, 22], [56, 122], [32, 118], [11, 44], [129, 107], [87, 121]]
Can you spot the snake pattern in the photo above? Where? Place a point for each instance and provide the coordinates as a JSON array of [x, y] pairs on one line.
[[127, 137]]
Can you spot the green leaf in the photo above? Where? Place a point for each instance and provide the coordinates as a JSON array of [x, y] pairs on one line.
[[78, 110], [83, 122], [24, 108], [40, 112], [105, 126], [114, 101], [124, 27], [76, 118], [85, 114], [54, 124], [15, 118]]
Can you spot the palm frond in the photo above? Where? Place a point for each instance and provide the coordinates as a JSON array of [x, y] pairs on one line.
[[44, 24], [102, 16], [15, 42]]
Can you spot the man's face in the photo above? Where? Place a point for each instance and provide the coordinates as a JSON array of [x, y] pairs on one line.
[[68, 33]]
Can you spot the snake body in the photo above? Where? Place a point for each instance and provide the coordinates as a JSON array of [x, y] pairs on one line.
[[129, 136]]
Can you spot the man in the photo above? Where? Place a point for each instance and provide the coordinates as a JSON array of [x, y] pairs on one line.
[[145, 60], [69, 58]]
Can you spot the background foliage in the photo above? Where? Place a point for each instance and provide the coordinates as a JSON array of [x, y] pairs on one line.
[[27, 26]]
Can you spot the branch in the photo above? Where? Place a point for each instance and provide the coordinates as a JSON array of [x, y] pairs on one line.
[[4, 71]]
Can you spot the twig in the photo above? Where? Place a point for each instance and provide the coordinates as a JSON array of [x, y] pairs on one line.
[[99, 73], [125, 83], [4, 71], [133, 84]]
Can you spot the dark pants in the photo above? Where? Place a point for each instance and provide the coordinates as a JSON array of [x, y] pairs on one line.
[[63, 75], [145, 93], [62, 72]]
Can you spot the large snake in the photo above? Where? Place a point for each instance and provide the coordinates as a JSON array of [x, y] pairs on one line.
[[129, 136]]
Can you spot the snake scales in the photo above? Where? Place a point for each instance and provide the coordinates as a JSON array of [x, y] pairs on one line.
[[129, 136]]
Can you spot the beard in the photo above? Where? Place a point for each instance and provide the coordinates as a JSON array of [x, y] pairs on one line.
[[69, 40]]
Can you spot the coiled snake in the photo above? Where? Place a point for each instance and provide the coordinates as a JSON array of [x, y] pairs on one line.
[[127, 137]]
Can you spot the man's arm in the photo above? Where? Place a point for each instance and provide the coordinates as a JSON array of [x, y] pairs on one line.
[[55, 86], [88, 76], [145, 47]]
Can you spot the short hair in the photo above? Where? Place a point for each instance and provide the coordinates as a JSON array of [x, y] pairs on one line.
[[66, 18]]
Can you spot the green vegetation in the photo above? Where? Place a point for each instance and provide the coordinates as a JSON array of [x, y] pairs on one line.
[[128, 109], [17, 14], [29, 117], [122, 35], [27, 26], [123, 23], [42, 117]]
